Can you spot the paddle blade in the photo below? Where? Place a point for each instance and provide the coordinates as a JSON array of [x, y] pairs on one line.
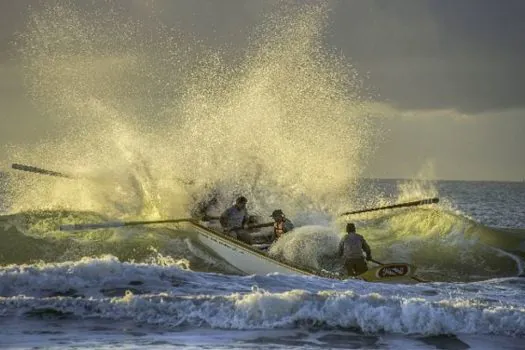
[[34, 169], [389, 272], [81, 227]]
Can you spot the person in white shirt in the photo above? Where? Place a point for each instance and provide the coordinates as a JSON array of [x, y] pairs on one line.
[[234, 219], [351, 248]]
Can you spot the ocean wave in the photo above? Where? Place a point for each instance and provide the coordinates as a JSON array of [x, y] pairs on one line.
[[172, 296], [368, 313], [445, 246]]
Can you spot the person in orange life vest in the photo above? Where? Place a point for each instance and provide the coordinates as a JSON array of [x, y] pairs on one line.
[[351, 248], [282, 225]]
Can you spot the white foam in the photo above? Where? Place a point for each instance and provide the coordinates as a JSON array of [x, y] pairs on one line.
[[85, 276], [370, 313]]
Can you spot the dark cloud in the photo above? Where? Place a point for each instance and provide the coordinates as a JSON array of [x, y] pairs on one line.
[[420, 55], [465, 54], [437, 53]]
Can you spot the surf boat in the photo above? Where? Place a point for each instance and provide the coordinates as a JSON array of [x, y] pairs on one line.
[[251, 260]]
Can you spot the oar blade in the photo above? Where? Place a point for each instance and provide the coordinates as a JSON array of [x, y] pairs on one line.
[[388, 272], [34, 169], [83, 227]]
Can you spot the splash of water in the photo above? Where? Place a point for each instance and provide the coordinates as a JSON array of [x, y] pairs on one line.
[[314, 247], [152, 118]]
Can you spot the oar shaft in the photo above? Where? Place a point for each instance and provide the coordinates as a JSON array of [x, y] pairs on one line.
[[113, 224], [168, 221], [377, 262], [400, 205], [249, 227], [267, 224]]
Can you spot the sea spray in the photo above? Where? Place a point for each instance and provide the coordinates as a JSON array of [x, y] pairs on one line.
[[149, 110]]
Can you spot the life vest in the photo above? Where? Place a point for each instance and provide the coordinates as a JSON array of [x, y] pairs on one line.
[[278, 228]]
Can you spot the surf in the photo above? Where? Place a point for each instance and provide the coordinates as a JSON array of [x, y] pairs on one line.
[[35, 236]]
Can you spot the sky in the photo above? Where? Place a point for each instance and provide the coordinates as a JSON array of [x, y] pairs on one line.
[[449, 75]]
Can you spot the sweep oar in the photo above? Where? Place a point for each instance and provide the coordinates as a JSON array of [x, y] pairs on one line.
[[113, 224], [34, 169], [248, 227], [267, 224], [37, 170], [400, 205]]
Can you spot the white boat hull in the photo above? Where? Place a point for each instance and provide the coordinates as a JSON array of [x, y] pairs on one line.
[[240, 255]]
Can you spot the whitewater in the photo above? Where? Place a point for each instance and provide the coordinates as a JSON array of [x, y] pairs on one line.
[[151, 124], [156, 287]]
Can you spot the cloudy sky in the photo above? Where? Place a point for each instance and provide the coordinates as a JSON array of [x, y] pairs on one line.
[[451, 73]]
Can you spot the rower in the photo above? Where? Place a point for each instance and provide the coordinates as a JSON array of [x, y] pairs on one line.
[[282, 224], [351, 248], [234, 219]]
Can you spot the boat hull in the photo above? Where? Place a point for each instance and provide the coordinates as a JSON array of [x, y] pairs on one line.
[[240, 255], [252, 261]]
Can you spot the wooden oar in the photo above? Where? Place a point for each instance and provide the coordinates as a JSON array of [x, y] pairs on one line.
[[113, 224], [37, 170], [267, 224], [400, 205], [413, 277], [249, 227], [34, 169]]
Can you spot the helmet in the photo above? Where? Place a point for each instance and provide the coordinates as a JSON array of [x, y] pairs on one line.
[[277, 213], [350, 227]]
